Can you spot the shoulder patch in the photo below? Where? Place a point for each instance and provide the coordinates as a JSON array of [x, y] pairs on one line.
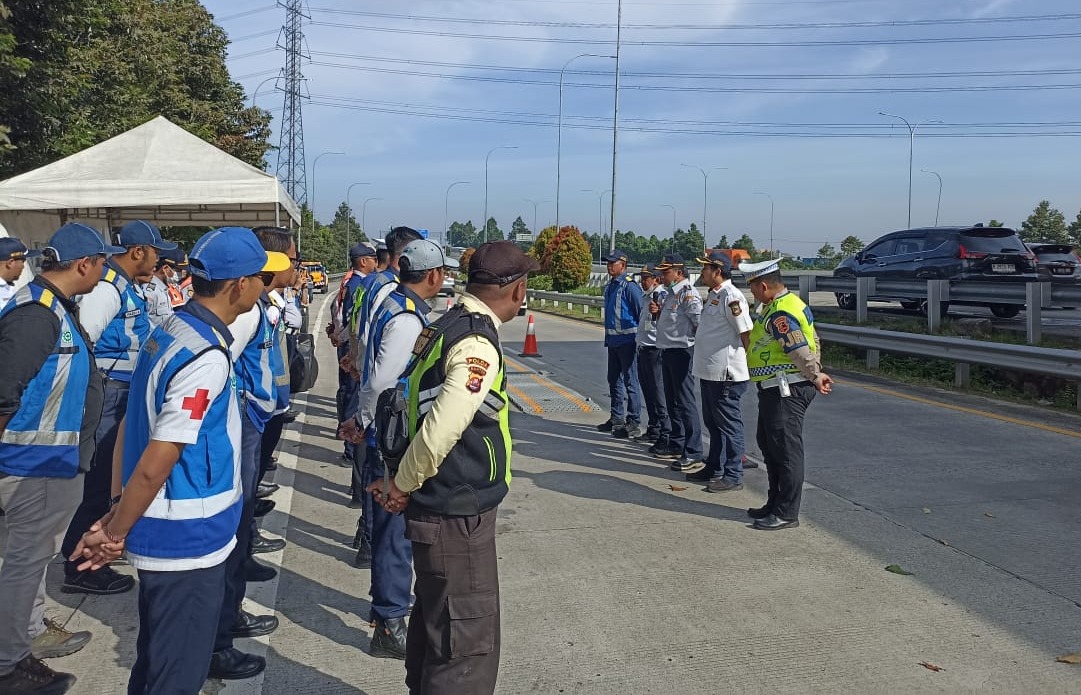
[[477, 362], [474, 384], [780, 324], [735, 307]]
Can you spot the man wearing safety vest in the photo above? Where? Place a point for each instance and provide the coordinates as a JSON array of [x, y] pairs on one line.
[[181, 502], [622, 310], [116, 319], [454, 475], [784, 360], [362, 262], [162, 293], [46, 366]]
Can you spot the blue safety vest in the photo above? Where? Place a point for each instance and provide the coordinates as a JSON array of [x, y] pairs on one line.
[[259, 368], [196, 513], [42, 438], [622, 306], [121, 340]]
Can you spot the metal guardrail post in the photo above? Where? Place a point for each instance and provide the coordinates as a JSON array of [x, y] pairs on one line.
[[865, 287], [938, 291], [874, 357], [962, 374], [1033, 315], [806, 287]]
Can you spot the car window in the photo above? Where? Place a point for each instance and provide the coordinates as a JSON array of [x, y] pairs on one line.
[[908, 245], [882, 248], [934, 240], [993, 242]]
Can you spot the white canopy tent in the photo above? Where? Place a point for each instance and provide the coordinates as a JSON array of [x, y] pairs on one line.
[[158, 172]]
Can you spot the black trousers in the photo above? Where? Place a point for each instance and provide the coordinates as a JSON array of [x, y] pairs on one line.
[[453, 642], [780, 437], [272, 434], [652, 382], [98, 481], [681, 397], [178, 613]]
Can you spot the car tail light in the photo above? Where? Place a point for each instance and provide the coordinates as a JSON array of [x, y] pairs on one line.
[[965, 253]]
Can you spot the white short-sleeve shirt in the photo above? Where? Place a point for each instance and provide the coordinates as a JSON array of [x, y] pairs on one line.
[[718, 352]]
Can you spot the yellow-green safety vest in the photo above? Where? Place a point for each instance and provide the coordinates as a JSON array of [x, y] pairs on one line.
[[768, 354]]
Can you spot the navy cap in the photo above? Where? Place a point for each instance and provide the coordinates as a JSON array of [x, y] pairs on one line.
[[142, 233], [227, 253], [649, 269], [670, 260], [615, 255], [718, 258], [361, 250], [74, 241], [11, 249], [500, 263], [176, 258]]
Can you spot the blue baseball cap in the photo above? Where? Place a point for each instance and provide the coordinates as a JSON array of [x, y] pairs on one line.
[[142, 233], [75, 240], [615, 255], [227, 253], [12, 249], [361, 250]]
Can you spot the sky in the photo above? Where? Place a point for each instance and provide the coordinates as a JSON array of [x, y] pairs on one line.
[[780, 97]]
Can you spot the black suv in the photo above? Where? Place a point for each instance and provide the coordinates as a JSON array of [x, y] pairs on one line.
[[988, 254]]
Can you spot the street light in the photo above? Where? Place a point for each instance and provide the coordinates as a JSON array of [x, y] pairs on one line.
[[672, 246], [485, 222], [705, 190], [364, 213], [911, 145], [600, 208], [314, 162], [559, 128], [446, 210], [772, 252], [255, 94], [938, 206], [535, 204], [348, 198]]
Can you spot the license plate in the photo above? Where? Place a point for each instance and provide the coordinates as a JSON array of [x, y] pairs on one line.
[[1003, 268], [1062, 271]]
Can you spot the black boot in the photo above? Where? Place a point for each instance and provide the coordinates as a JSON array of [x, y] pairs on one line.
[[234, 665], [389, 638], [363, 559]]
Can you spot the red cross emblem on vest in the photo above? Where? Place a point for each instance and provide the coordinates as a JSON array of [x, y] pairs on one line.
[[197, 404]]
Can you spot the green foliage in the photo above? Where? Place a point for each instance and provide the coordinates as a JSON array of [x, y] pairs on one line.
[[744, 242], [827, 251], [463, 235], [518, 227], [995, 223], [690, 244], [88, 70], [850, 246], [492, 232], [1045, 224], [540, 282], [723, 243], [564, 256], [1074, 230]]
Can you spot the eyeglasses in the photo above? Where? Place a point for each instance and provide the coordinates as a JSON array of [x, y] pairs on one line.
[[296, 261]]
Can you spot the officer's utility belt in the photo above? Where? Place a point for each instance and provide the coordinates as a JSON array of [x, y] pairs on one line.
[[775, 381], [117, 383]]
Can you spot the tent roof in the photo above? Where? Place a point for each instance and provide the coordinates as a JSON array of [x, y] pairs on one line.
[[157, 171]]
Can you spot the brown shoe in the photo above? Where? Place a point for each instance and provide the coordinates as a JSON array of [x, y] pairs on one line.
[[33, 676], [56, 641]]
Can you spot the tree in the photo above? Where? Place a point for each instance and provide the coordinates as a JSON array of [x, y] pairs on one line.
[[744, 242], [690, 244], [995, 223], [850, 246], [91, 69], [492, 232], [518, 227], [1045, 224], [564, 256], [1074, 230], [463, 235], [827, 251], [723, 243]]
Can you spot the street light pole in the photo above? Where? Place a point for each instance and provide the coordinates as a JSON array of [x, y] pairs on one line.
[[255, 94], [314, 162], [535, 204], [348, 199], [938, 206], [772, 251], [705, 190], [446, 210], [485, 221], [671, 247], [364, 214], [911, 147], [600, 210], [615, 127], [559, 127]]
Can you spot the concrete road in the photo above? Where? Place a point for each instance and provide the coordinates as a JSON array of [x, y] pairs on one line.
[[617, 577]]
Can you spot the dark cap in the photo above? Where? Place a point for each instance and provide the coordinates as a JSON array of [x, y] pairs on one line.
[[649, 269], [361, 250], [142, 233], [670, 260], [717, 258], [500, 263], [11, 249], [615, 255], [175, 258], [75, 240]]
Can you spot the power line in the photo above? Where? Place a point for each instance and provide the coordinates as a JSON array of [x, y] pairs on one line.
[[246, 13]]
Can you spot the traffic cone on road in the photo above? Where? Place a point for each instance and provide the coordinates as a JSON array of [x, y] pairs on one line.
[[530, 349], [450, 303]]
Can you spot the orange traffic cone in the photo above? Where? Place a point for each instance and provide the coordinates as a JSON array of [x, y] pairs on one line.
[[450, 303], [530, 349]]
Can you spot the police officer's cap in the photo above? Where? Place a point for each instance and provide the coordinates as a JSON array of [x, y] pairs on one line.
[[12, 249], [649, 269], [615, 256], [671, 260], [753, 271], [500, 263], [361, 250], [717, 258]]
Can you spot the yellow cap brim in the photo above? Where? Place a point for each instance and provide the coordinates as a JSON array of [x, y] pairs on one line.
[[276, 262]]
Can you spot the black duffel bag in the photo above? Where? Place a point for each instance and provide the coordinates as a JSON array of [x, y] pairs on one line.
[[303, 365]]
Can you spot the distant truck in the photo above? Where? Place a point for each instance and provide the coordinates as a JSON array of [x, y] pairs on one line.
[[318, 274], [737, 256]]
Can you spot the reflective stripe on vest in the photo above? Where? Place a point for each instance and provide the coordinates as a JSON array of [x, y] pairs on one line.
[[395, 303], [121, 340], [196, 512], [42, 437], [259, 371], [766, 356]]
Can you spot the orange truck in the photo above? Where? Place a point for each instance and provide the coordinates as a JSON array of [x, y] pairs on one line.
[[737, 256]]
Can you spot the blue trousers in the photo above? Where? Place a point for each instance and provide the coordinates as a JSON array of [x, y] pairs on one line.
[[347, 390], [362, 478], [623, 384], [682, 401], [649, 375], [723, 416], [178, 614], [392, 555], [235, 584]]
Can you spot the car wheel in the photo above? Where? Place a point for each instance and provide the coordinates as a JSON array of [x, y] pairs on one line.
[[847, 301], [1004, 311], [923, 308], [913, 305]]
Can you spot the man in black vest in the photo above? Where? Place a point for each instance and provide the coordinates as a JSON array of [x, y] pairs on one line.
[[453, 477]]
